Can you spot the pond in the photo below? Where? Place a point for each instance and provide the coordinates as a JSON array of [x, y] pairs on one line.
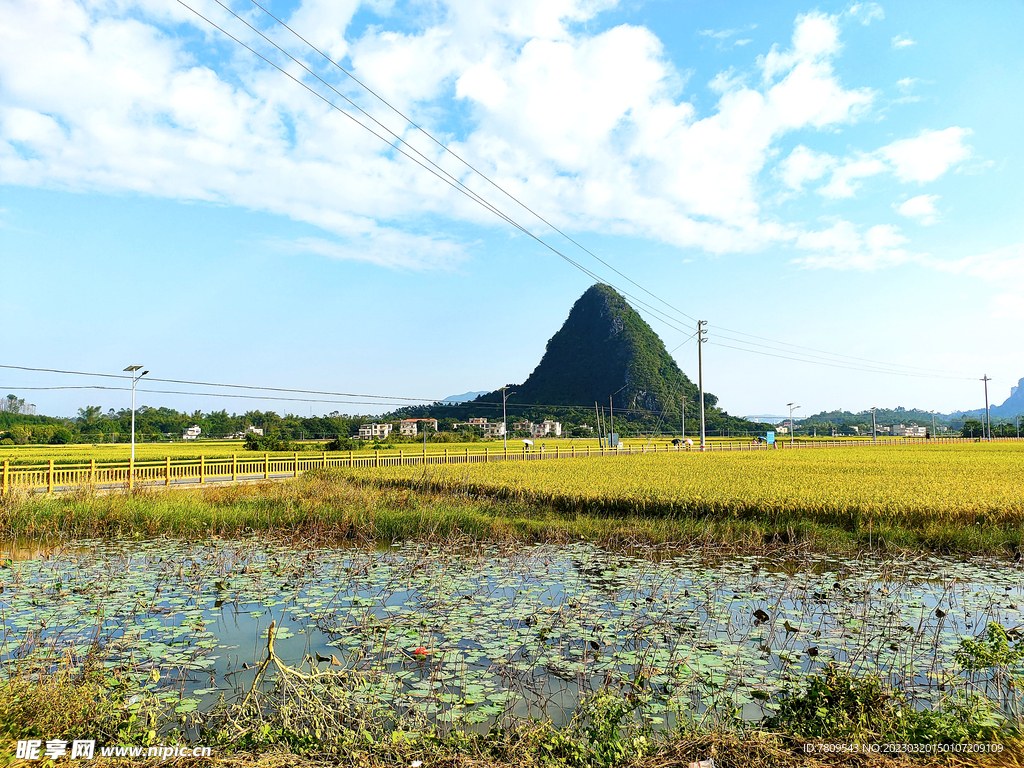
[[477, 634]]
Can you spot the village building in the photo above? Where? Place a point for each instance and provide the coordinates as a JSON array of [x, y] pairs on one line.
[[900, 430], [547, 428], [490, 429], [374, 431], [410, 427]]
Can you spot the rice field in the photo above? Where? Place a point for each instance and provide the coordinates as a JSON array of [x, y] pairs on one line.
[[965, 484]]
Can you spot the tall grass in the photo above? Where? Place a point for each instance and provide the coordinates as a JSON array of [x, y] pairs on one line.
[[326, 506]]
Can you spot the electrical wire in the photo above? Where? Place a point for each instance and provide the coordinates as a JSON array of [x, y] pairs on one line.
[[425, 403], [388, 398], [523, 205], [943, 373], [466, 163], [839, 365], [462, 188], [439, 173]]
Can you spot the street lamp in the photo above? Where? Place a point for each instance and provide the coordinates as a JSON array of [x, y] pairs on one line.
[[504, 419], [132, 369], [792, 426]]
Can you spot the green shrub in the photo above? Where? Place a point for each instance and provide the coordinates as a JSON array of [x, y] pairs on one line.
[[269, 443], [835, 705], [62, 436]]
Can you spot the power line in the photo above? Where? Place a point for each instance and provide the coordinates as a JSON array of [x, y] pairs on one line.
[[426, 404], [825, 352], [460, 186], [227, 386], [466, 163], [839, 365], [439, 173]]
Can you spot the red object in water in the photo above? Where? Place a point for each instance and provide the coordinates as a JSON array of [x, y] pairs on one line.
[[421, 651]]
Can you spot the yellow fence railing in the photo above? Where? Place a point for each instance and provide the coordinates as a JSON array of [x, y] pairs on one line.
[[53, 477]]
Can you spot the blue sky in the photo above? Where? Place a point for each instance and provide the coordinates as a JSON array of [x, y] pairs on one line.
[[834, 177]]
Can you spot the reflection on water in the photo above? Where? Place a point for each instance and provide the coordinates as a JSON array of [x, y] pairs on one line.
[[479, 633]]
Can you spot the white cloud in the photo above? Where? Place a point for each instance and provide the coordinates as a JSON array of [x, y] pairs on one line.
[[803, 165], [845, 179], [865, 13], [906, 83], [815, 39], [923, 158], [725, 34], [843, 247], [384, 247], [929, 155], [1004, 265], [593, 129], [902, 41], [920, 208]]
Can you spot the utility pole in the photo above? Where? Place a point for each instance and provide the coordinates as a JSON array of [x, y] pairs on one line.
[[597, 416], [701, 339], [874, 431], [792, 425], [988, 421], [133, 369], [1018, 425], [611, 412], [682, 417], [504, 418], [933, 423]]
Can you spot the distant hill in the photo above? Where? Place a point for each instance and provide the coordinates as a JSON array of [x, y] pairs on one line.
[[1013, 405], [465, 397], [603, 350], [1006, 411]]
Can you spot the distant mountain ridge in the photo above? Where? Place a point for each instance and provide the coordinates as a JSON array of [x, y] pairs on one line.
[[1008, 409], [465, 397], [1013, 405]]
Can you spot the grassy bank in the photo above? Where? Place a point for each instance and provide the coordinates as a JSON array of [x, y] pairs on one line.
[[289, 727], [329, 506]]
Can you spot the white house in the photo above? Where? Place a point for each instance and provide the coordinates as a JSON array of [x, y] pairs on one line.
[[410, 427], [491, 429], [547, 427], [900, 430], [371, 431], [191, 433], [250, 430]]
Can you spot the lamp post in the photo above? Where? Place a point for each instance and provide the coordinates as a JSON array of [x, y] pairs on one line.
[[131, 471], [504, 419], [792, 426]]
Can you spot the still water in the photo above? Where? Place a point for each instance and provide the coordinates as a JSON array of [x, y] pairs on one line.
[[479, 633]]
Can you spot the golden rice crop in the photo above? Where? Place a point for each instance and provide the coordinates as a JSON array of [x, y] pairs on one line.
[[966, 483]]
